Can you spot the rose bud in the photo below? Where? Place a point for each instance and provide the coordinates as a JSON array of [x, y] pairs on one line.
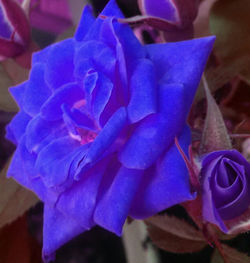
[[51, 16], [14, 29], [225, 187], [175, 17]]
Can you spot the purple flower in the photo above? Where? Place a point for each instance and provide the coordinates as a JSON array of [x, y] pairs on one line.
[[50, 16], [96, 127], [177, 12], [14, 29], [226, 187], [175, 17]]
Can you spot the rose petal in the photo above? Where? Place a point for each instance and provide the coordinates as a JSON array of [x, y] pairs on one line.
[[102, 94], [18, 93], [78, 118], [105, 138], [85, 23], [16, 128], [82, 196], [37, 130], [156, 133], [176, 58], [161, 8], [63, 64], [36, 85], [158, 188], [57, 230], [54, 161], [143, 101], [112, 209], [68, 94]]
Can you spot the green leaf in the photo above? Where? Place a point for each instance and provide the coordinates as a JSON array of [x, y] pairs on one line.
[[215, 136], [14, 199], [175, 235]]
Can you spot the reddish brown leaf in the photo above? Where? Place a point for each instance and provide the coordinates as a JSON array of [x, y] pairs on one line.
[[174, 235], [230, 22], [232, 256], [16, 244], [14, 199], [6, 101]]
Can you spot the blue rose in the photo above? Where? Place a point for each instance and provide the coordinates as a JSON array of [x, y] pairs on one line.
[[96, 127]]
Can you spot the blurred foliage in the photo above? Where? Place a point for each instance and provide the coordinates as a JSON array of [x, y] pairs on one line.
[[15, 199], [17, 245]]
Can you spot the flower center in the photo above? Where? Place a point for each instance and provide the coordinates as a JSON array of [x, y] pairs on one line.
[[86, 136]]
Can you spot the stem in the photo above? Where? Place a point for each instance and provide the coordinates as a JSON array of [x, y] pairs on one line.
[[136, 248]]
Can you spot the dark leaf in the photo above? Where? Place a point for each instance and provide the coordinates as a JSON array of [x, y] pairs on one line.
[[174, 235], [231, 254], [16, 244], [230, 22], [14, 199]]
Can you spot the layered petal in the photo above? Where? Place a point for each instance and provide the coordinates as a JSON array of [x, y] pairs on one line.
[[63, 64], [36, 85], [58, 229], [181, 62], [54, 161], [158, 188], [156, 133], [67, 94], [17, 127], [143, 101], [113, 207]]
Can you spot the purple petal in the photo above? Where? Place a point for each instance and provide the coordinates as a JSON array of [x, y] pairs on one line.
[[17, 127], [82, 68], [181, 62], [160, 8], [41, 56], [38, 129], [102, 94], [156, 132], [108, 36], [112, 9], [18, 93], [209, 211], [67, 94], [22, 165], [54, 161], [36, 92], [63, 64], [80, 200], [5, 28], [58, 229], [85, 23], [106, 137], [78, 118], [23, 171], [112, 209], [99, 54], [143, 99], [236, 194], [166, 185]]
